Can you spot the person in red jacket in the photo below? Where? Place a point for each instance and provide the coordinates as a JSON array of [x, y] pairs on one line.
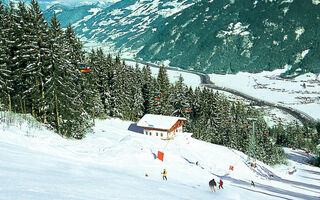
[[220, 184]]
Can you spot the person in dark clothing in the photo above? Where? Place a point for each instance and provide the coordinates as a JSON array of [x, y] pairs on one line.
[[252, 183], [220, 184], [212, 184], [164, 173]]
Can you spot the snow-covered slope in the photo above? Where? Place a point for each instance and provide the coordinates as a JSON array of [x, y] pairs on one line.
[[111, 164], [217, 36], [70, 15], [118, 26], [46, 4]]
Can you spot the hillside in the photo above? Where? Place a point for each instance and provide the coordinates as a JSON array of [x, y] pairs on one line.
[[70, 15], [220, 36], [47, 4], [112, 162], [225, 36], [119, 26]]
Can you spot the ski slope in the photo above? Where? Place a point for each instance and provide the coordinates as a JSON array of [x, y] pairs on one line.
[[111, 163]]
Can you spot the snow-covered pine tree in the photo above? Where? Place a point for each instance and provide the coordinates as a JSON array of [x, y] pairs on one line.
[[212, 115], [131, 92], [164, 87], [190, 96], [195, 117], [137, 95], [37, 59], [67, 114], [177, 98], [99, 83], [17, 43], [5, 70], [147, 91], [116, 88]]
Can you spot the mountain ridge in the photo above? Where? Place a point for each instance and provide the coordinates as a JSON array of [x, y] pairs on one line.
[[243, 37], [220, 36]]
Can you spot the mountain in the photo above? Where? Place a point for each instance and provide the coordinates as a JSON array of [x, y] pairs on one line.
[[69, 15], [119, 26], [68, 12], [225, 36], [46, 4], [220, 36]]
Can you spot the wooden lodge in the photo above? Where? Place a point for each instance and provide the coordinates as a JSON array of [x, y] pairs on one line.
[[165, 127]]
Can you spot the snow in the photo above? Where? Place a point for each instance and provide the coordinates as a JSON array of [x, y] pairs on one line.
[[58, 11], [111, 163], [268, 86], [94, 11], [316, 2], [300, 56], [286, 1], [117, 12], [299, 31], [158, 121], [177, 7], [234, 29]]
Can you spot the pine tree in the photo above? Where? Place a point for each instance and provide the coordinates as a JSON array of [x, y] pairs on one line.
[[37, 60], [147, 91], [164, 87], [99, 83], [177, 98], [5, 70], [136, 92], [62, 92]]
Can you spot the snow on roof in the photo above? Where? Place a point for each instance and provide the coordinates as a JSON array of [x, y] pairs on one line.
[[158, 121]]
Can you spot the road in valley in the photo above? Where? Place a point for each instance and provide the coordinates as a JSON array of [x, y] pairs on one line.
[[206, 82]]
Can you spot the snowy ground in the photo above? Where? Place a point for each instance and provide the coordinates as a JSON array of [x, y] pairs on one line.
[[270, 87], [36, 164]]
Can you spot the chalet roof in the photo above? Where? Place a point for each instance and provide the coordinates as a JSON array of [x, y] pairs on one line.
[[158, 121]]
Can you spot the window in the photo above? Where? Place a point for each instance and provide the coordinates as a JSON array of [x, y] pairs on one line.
[[150, 133], [161, 134], [157, 134]]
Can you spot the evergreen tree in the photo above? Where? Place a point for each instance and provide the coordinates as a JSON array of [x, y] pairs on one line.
[[164, 87], [99, 83], [69, 117], [5, 70], [137, 94], [37, 60], [147, 89]]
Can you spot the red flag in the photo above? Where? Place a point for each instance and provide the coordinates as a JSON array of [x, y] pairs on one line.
[[160, 155]]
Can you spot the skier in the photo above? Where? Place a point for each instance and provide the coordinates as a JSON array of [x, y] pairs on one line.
[[212, 184], [164, 173], [220, 184], [252, 184]]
